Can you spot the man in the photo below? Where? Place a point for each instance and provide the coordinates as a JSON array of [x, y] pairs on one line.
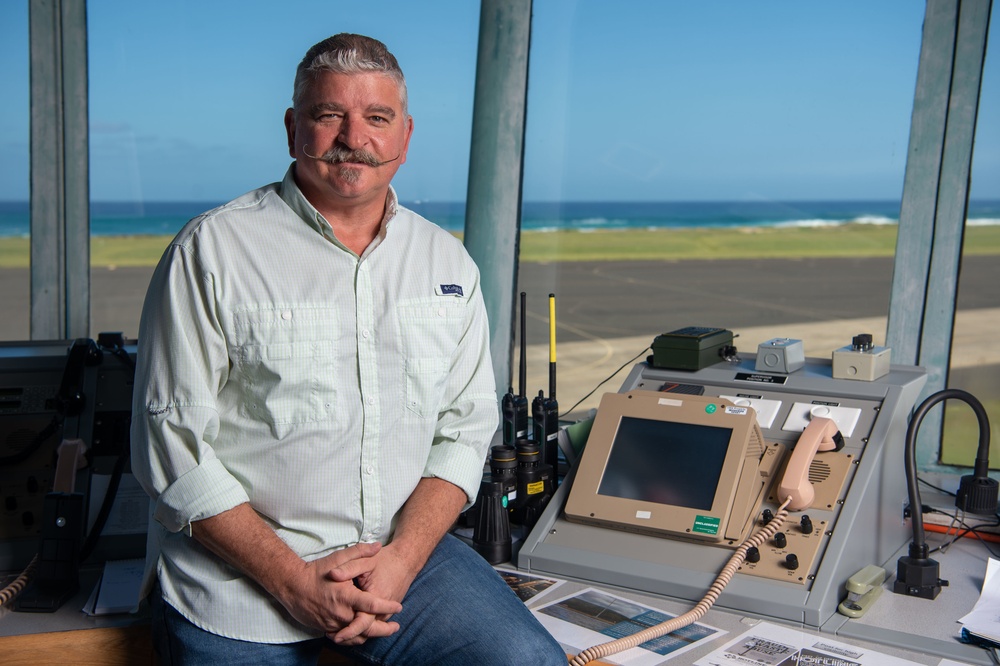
[[313, 406]]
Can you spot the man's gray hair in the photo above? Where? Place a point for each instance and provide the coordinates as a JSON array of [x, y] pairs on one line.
[[348, 54]]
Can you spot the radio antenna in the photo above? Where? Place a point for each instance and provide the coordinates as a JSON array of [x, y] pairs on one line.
[[523, 365], [515, 406], [552, 346]]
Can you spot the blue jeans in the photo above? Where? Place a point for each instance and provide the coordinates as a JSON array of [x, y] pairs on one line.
[[457, 612]]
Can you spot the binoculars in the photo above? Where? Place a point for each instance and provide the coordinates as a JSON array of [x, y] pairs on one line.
[[518, 488]]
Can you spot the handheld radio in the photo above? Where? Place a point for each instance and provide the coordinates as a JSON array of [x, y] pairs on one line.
[[545, 411]]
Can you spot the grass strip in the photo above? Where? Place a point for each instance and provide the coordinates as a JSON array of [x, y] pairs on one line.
[[851, 240]]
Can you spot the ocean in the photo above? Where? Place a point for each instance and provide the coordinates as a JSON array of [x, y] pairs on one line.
[[166, 218]]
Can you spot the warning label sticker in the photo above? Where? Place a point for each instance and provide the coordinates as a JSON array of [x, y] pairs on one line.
[[705, 525]]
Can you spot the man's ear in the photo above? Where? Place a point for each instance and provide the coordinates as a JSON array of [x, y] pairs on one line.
[[290, 130], [409, 135]]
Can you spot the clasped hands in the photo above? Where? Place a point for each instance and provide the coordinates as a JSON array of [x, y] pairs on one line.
[[351, 594]]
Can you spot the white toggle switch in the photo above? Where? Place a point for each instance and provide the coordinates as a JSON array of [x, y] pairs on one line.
[[820, 410]]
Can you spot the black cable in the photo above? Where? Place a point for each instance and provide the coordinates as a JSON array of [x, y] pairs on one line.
[[963, 528], [917, 573], [982, 463], [34, 445], [105, 511], [628, 362], [117, 349], [937, 488]]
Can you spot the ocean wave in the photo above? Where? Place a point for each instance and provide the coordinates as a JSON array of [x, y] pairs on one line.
[[591, 225], [814, 223], [601, 223], [545, 217], [874, 220]]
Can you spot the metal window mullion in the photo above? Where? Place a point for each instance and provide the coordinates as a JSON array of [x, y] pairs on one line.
[[60, 219], [493, 203], [76, 158], [47, 240], [935, 198]]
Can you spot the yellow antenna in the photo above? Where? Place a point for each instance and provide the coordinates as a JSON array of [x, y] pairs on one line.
[[552, 345]]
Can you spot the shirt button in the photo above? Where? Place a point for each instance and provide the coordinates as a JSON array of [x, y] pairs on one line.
[[371, 401], [364, 333], [286, 315], [440, 312], [369, 470]]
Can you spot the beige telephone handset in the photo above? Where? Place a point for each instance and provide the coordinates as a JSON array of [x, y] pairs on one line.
[[821, 434]]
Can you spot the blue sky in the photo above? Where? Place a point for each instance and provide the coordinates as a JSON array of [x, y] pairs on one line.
[[650, 100]]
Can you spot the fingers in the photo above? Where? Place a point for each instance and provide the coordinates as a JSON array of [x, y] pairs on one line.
[[370, 619], [361, 549], [366, 602], [357, 614], [349, 563], [351, 570], [353, 633], [363, 627]]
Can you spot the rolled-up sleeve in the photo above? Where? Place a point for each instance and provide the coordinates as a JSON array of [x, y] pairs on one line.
[[182, 364]]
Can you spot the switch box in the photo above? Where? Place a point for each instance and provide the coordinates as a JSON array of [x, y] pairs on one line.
[[861, 362], [783, 355]]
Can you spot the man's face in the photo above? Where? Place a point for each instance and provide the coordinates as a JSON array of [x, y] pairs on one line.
[[359, 116]]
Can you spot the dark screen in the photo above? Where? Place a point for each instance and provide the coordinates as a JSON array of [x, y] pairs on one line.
[[677, 464]]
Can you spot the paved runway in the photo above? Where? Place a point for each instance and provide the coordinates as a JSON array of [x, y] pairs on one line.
[[608, 312], [626, 298]]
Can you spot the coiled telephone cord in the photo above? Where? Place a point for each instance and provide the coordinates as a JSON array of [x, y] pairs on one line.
[[10, 592], [693, 615]]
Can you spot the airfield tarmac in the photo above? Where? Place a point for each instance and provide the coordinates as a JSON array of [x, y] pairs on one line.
[[608, 312]]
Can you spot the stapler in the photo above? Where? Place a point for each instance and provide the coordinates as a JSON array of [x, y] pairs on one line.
[[863, 588]]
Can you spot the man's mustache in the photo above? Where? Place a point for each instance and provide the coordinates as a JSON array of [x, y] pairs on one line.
[[342, 155]]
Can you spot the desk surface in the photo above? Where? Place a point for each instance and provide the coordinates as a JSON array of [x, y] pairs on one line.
[[69, 617], [918, 630]]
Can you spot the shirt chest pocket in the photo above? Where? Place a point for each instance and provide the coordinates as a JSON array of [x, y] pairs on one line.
[[430, 333], [284, 357]]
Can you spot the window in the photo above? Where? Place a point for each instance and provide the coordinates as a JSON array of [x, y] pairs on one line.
[[975, 365], [689, 165], [186, 113], [14, 169]]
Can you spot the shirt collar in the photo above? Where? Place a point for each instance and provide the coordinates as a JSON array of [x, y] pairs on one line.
[[293, 197]]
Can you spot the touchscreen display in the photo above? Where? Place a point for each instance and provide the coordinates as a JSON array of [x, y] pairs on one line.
[[676, 464]]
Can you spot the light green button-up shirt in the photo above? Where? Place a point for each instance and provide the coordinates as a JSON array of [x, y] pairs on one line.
[[276, 367]]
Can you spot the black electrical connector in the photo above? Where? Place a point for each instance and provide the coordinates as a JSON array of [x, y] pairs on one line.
[[977, 492], [917, 575]]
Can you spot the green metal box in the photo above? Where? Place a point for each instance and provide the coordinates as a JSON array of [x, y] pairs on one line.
[[690, 348]]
